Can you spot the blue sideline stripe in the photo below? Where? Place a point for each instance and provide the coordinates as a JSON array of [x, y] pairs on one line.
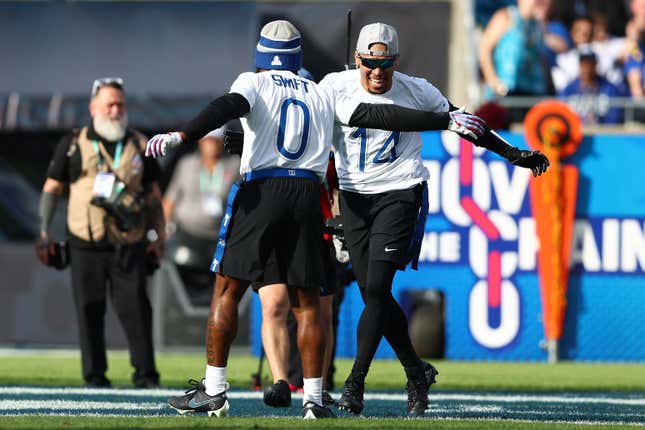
[[279, 172], [279, 44], [223, 228], [419, 230]]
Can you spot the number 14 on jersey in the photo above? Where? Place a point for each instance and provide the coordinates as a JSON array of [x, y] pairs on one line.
[[383, 155]]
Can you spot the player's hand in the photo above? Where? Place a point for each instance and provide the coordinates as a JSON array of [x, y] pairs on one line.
[[340, 247], [466, 124], [534, 160], [233, 142], [44, 248], [161, 143]]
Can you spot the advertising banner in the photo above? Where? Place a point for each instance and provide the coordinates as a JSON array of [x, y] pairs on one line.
[[480, 251]]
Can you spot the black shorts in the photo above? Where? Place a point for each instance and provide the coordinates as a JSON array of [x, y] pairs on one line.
[[383, 227], [274, 216], [272, 273]]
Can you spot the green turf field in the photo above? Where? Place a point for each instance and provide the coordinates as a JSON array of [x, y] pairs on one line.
[[611, 396], [281, 423], [176, 369]]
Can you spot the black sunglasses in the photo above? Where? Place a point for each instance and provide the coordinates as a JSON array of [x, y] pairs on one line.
[[377, 63]]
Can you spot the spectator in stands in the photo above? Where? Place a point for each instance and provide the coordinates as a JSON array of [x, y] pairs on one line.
[[634, 68], [565, 69], [109, 230], [589, 93], [511, 52], [196, 196], [609, 53]]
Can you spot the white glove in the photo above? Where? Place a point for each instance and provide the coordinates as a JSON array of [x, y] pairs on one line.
[[466, 124], [342, 256], [160, 143]]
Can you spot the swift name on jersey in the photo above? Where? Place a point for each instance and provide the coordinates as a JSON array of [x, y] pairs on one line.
[[294, 83]]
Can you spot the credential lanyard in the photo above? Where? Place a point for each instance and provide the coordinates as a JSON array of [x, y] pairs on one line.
[[211, 182], [117, 153]]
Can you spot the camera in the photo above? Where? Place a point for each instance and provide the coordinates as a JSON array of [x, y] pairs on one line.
[[123, 206]]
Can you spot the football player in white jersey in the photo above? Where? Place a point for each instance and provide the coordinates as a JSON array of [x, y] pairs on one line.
[[383, 202], [287, 124]]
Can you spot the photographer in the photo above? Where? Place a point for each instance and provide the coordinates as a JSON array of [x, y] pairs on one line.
[[115, 230]]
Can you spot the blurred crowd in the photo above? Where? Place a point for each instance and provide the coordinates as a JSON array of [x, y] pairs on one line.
[[584, 51]]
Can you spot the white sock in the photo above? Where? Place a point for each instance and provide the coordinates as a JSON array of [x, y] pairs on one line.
[[215, 380], [312, 388]]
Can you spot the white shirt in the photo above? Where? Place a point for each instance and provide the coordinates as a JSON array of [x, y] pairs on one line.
[[567, 64], [373, 161], [290, 123]]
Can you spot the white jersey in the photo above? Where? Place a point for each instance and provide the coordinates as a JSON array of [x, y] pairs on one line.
[[373, 161], [290, 123]]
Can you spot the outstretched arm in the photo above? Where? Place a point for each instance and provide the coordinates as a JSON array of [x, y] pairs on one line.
[[216, 114], [394, 117], [534, 160], [468, 126]]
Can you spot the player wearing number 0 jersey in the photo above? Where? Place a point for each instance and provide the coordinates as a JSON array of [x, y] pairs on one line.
[[287, 123]]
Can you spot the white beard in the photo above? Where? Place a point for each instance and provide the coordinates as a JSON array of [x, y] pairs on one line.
[[112, 130]]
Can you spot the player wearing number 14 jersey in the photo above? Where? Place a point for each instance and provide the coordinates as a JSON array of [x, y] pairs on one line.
[[288, 123], [383, 201]]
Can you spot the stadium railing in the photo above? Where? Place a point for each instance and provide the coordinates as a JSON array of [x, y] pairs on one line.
[[57, 111]]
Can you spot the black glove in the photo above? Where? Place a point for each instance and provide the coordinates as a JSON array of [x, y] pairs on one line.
[[534, 160], [233, 142], [53, 254]]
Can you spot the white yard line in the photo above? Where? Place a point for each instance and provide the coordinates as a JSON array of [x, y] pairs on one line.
[[22, 405], [504, 398]]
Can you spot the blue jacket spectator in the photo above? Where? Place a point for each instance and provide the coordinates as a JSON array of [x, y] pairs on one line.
[[589, 94]]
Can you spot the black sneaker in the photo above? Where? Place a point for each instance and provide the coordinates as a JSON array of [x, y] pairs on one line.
[[351, 400], [278, 395], [196, 400], [311, 411], [327, 399], [431, 372], [417, 387]]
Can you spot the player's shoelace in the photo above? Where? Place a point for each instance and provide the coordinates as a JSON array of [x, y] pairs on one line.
[[196, 385], [199, 386]]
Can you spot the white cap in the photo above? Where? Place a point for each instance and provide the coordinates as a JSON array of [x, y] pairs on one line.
[[218, 133], [378, 33]]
